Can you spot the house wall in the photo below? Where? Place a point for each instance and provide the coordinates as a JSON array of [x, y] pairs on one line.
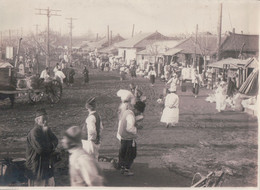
[[150, 58], [127, 53]]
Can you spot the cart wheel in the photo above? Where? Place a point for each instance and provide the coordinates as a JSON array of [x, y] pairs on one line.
[[35, 96], [55, 92]]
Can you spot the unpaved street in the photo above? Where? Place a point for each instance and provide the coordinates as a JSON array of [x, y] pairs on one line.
[[203, 141]]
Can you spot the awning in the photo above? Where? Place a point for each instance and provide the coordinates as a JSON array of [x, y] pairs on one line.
[[234, 63], [172, 51], [5, 65]]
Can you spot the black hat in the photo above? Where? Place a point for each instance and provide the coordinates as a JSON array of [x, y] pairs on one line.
[[74, 134], [91, 102], [140, 106], [40, 112]]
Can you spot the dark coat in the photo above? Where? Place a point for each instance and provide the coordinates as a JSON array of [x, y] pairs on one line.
[[40, 146]]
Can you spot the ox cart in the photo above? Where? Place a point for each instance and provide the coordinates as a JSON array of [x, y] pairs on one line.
[[11, 84]]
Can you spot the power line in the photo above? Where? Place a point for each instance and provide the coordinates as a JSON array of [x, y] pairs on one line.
[[48, 12]]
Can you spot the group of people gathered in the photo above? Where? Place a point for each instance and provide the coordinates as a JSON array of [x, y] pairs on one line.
[[83, 143], [61, 73]]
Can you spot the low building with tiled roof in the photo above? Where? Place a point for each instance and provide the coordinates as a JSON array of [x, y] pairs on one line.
[[234, 44], [128, 49]]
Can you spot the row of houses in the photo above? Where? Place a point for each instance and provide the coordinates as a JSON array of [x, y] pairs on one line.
[[155, 46]]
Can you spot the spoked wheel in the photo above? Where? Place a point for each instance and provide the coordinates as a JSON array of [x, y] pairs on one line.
[[55, 92], [35, 96]]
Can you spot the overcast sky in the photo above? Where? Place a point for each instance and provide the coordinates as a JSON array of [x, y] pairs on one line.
[[165, 16]]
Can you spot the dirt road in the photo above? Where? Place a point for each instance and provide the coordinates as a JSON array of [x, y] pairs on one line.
[[203, 141]]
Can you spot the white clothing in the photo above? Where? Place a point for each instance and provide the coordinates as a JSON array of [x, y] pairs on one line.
[[152, 73], [220, 99], [59, 74], [56, 68], [83, 169], [88, 145], [44, 75], [21, 69], [91, 148], [130, 125], [173, 81], [171, 110]]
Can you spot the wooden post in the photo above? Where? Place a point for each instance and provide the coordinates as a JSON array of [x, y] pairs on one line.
[[108, 34], [219, 31], [133, 29]]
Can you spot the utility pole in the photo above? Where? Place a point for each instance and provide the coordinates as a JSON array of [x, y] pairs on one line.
[[111, 37], [133, 30], [70, 50], [219, 31], [108, 34], [1, 41], [10, 37], [196, 42], [48, 12]]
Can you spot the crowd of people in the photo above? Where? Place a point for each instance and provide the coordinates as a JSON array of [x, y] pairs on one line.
[[83, 143]]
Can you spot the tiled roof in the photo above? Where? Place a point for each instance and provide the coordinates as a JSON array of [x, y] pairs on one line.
[[206, 45], [234, 42], [142, 40]]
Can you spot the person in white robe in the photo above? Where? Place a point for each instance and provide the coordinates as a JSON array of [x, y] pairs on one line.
[[59, 75], [221, 94], [173, 81], [170, 115]]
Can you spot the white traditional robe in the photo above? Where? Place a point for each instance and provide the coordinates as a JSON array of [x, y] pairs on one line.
[[170, 113]]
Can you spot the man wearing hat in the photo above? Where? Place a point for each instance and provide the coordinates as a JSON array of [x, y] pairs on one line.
[[91, 131], [41, 143], [170, 115], [127, 134], [83, 168]]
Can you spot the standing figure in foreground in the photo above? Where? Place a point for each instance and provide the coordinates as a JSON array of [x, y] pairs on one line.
[[85, 74], [127, 133], [41, 143], [221, 94], [173, 81], [83, 168], [70, 76], [91, 131], [170, 115], [196, 80], [152, 75]]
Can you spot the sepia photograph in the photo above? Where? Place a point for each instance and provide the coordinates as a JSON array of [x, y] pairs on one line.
[[129, 93]]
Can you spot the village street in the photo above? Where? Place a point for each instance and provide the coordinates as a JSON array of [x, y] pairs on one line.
[[203, 141]]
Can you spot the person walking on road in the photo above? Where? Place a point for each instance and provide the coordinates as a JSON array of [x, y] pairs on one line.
[[41, 143], [91, 131], [170, 115], [70, 76], [152, 75], [221, 95], [59, 75], [85, 74], [196, 80], [127, 133], [173, 81], [83, 168]]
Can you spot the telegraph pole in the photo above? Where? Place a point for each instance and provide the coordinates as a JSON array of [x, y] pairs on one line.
[[196, 41], [48, 12], [219, 31], [133, 30], [71, 27]]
